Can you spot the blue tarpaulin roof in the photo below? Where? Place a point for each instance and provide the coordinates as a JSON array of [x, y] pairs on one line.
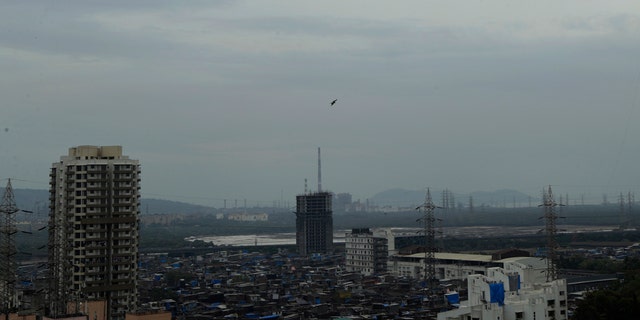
[[497, 293], [453, 298]]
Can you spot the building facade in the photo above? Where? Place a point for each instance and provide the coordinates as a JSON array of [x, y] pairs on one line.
[[365, 253], [516, 291], [453, 266], [314, 223], [94, 230]]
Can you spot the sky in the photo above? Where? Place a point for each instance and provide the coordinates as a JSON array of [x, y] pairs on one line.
[[230, 99]]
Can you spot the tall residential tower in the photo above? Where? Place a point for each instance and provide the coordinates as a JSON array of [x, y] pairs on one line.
[[93, 230]]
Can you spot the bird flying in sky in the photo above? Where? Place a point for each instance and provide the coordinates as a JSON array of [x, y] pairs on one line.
[[334, 102]]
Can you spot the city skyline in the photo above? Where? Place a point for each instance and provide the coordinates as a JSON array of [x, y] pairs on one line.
[[229, 100]]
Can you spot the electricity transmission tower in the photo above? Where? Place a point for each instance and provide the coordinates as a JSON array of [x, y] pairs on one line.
[[551, 230], [429, 234], [8, 250]]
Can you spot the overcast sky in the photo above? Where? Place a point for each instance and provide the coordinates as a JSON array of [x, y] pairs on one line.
[[230, 99]]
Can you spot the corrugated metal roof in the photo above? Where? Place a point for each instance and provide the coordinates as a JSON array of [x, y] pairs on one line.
[[456, 256], [533, 262]]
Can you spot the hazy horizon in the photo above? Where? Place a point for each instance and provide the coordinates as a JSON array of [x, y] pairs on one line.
[[231, 99]]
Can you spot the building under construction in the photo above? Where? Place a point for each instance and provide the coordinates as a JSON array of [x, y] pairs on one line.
[[314, 223], [314, 219]]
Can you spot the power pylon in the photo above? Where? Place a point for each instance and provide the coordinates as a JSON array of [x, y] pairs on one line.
[[623, 215], [550, 218], [429, 234], [8, 250]]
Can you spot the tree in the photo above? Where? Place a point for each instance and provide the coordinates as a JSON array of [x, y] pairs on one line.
[[618, 302]]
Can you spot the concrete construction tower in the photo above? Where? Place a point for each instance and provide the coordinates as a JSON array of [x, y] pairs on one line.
[[94, 230], [314, 220]]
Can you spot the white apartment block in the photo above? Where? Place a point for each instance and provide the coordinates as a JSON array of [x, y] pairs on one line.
[[452, 266], [516, 291], [365, 253], [93, 230]]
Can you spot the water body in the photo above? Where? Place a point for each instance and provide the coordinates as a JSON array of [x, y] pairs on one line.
[[259, 239], [289, 238]]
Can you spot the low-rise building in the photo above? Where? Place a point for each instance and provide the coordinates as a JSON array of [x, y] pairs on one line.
[[365, 252], [448, 265]]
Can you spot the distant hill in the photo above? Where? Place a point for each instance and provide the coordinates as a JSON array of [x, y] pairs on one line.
[[31, 199], [406, 198], [399, 198], [38, 201], [499, 198]]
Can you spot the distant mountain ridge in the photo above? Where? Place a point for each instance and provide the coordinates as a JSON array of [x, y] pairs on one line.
[[38, 202], [399, 197]]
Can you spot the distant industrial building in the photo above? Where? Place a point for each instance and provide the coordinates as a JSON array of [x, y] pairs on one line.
[[342, 202], [93, 230], [365, 252], [314, 223], [244, 216]]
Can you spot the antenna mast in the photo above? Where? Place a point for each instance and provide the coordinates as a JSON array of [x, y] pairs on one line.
[[319, 172]]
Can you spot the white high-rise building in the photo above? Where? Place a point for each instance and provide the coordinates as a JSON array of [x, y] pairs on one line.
[[94, 230]]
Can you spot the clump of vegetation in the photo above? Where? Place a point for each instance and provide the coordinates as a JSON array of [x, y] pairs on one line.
[[621, 301]]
